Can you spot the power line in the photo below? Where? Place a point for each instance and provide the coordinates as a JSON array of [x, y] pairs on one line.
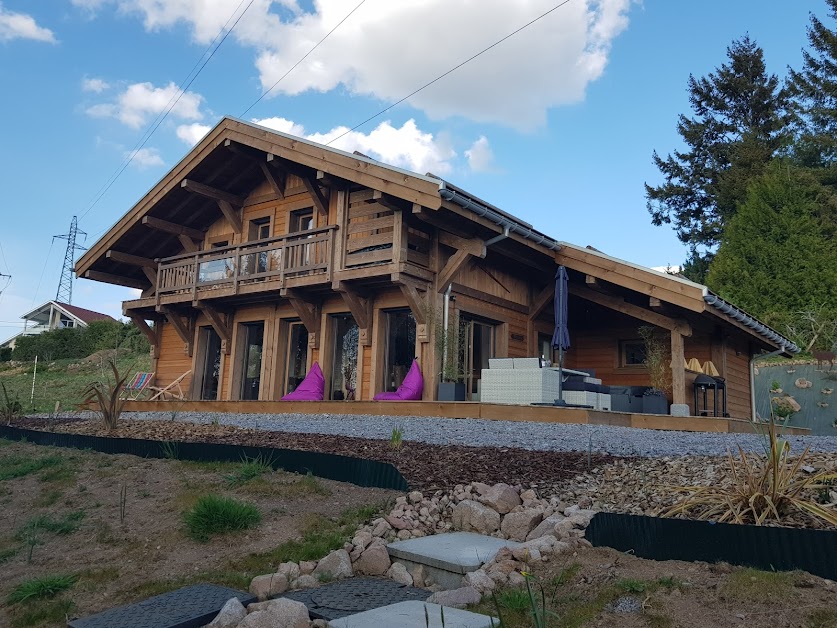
[[305, 56], [452, 70], [187, 82], [43, 270]]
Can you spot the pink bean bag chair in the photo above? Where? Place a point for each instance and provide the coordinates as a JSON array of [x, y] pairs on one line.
[[312, 388], [409, 390]]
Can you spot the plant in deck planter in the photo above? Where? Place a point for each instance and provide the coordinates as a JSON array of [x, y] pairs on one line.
[[107, 394], [450, 355], [657, 360], [762, 489]]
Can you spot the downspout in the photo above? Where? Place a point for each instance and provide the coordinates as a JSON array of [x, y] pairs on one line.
[[445, 310], [762, 356]]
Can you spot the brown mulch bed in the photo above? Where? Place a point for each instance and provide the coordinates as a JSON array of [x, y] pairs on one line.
[[424, 466]]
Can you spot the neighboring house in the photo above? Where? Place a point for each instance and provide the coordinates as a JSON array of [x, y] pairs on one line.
[[261, 252], [54, 315]]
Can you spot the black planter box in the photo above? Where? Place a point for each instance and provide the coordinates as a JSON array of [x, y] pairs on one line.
[[762, 547], [451, 391], [654, 404]]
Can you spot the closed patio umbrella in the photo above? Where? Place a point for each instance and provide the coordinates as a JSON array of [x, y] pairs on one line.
[[561, 335]]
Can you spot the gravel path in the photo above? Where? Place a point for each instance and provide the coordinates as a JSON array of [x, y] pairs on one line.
[[479, 432]]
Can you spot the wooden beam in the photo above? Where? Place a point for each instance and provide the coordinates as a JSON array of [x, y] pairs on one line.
[[153, 335], [220, 323], [309, 313], [474, 246], [541, 300], [131, 260], [634, 311], [320, 201], [416, 302], [455, 263], [159, 224], [232, 215], [361, 309], [276, 181], [389, 201], [654, 303], [185, 329], [678, 372], [97, 275], [189, 245], [151, 274], [210, 192], [590, 280]]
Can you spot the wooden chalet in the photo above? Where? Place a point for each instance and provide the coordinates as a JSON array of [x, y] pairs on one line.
[[260, 253]]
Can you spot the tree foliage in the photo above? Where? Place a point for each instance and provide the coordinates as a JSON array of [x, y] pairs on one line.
[[777, 257], [740, 123], [79, 342]]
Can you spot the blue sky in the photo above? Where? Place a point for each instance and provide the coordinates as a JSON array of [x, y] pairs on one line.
[[556, 125]]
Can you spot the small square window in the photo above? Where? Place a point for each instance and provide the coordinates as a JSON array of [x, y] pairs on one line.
[[631, 353]]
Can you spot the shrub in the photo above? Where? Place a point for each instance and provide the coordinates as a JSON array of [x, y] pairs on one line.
[[215, 514], [79, 342], [41, 588], [108, 396], [11, 406]]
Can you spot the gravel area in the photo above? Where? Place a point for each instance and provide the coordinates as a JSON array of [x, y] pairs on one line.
[[620, 441]]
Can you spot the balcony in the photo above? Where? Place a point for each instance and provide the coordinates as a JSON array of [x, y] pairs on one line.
[[298, 259]]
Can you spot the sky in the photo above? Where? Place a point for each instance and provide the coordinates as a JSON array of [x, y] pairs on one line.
[[556, 124]]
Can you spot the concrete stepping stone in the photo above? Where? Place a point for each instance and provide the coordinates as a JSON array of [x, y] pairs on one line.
[[189, 607], [354, 595], [448, 557], [411, 615]]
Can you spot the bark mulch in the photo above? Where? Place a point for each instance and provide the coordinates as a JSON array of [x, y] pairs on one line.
[[425, 467]]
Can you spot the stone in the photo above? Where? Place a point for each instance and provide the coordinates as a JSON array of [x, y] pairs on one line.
[[480, 581], [291, 570], [362, 539], [528, 495], [280, 613], [336, 566], [306, 581], [679, 409], [269, 585], [415, 497], [374, 561], [802, 383], [517, 525], [516, 580], [231, 614], [398, 524], [399, 573], [526, 554], [456, 598], [403, 535], [547, 526], [418, 575], [380, 527], [471, 516], [306, 567], [500, 497]]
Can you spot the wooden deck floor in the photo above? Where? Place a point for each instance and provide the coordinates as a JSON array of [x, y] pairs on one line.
[[460, 410]]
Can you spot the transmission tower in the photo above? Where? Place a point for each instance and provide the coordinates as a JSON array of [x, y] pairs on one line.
[[65, 285]]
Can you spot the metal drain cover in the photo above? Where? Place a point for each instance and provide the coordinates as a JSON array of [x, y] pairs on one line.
[[189, 607], [354, 595]]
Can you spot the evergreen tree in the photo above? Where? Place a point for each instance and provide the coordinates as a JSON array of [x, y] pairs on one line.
[[777, 257], [813, 91], [740, 124]]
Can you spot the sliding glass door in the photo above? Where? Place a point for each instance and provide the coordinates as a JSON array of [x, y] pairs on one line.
[[209, 344], [345, 333], [251, 364]]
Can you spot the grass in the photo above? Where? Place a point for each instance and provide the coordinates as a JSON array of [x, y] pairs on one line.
[[49, 497], [7, 554], [62, 526], [250, 469], [822, 618], [18, 466], [755, 585], [42, 612], [215, 514], [41, 588]]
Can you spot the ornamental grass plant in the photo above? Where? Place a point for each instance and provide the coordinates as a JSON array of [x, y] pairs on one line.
[[761, 489]]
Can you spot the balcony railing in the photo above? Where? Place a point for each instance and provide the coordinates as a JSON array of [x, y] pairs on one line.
[[275, 260]]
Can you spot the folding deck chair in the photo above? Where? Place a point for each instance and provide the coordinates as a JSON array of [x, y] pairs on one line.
[[172, 391], [137, 387]]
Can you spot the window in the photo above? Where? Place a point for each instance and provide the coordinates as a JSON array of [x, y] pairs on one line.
[[251, 364], [209, 360], [343, 382], [301, 220], [296, 364], [400, 347], [259, 229], [477, 346], [631, 353]]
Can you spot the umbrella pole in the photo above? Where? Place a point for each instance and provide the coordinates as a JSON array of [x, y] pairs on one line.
[[560, 400]]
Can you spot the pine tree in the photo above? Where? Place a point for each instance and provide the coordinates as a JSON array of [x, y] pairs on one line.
[[740, 123], [813, 91]]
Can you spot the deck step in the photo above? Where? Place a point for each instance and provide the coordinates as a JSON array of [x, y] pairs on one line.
[[411, 614]]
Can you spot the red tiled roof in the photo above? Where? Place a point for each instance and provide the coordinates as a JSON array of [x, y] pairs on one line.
[[88, 316]]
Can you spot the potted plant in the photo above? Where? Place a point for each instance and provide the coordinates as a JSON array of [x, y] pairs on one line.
[[449, 347], [657, 359]]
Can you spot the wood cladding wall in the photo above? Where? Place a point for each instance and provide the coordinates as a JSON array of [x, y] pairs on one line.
[[173, 360]]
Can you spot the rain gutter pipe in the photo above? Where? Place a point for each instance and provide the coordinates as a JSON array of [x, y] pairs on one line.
[[508, 225], [753, 376], [445, 311]]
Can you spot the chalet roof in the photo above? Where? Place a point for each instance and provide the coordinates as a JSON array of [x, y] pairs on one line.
[[80, 314]]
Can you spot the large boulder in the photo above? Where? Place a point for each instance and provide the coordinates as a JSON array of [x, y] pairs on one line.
[[336, 566], [399, 573], [547, 526], [471, 516], [230, 616], [517, 525], [269, 585], [480, 581], [500, 497], [281, 613], [374, 561]]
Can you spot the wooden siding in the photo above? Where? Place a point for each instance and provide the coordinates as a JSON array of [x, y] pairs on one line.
[[173, 360]]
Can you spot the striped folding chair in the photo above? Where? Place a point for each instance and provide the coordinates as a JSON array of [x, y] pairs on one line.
[[135, 389]]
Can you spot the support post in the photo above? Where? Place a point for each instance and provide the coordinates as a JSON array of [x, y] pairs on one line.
[[678, 372]]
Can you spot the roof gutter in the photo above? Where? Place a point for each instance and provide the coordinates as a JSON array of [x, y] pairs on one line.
[[506, 224], [745, 319]]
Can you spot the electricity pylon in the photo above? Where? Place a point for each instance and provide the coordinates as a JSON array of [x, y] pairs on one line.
[[65, 285]]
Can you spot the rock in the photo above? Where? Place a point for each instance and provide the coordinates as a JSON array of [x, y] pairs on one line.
[[403, 535], [380, 527], [517, 525], [516, 580], [362, 539], [306, 567], [291, 570], [456, 598], [306, 581], [374, 561], [269, 585], [547, 526], [398, 572], [526, 554], [528, 495], [418, 575], [281, 613], [319, 623], [415, 497], [802, 383], [337, 565], [231, 614], [471, 516], [398, 524], [480, 581], [500, 497]]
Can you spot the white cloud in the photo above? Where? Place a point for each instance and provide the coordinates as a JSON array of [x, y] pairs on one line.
[[405, 147], [140, 101], [22, 26], [191, 134], [95, 85], [146, 158], [387, 49], [480, 156]]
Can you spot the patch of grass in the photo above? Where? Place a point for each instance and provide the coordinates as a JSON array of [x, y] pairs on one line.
[[277, 485], [567, 574], [41, 588], [67, 524], [41, 612], [822, 618], [515, 600], [756, 585], [215, 514], [630, 585], [250, 469], [20, 465], [7, 554], [49, 497]]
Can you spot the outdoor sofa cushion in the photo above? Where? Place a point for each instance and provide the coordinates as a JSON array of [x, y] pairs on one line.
[[409, 390], [312, 388]]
